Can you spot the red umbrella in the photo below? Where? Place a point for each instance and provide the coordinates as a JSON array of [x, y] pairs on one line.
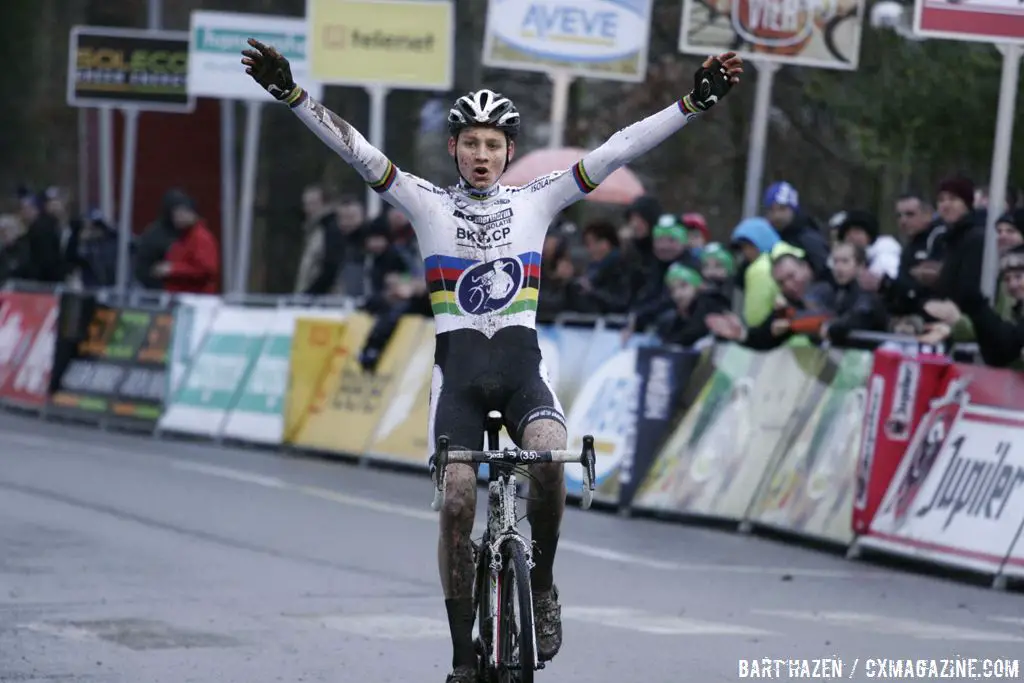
[[621, 187]]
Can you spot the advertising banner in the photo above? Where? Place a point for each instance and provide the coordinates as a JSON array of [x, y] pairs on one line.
[[810, 492], [257, 415], [216, 40], [218, 372], [663, 374], [606, 409], [401, 433], [715, 460], [821, 34], [605, 39], [117, 67], [315, 344], [28, 325], [958, 495], [115, 365], [986, 21], [350, 401], [398, 44], [193, 316], [902, 384]]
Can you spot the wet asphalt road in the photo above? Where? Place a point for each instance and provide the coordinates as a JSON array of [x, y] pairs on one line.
[[129, 560]]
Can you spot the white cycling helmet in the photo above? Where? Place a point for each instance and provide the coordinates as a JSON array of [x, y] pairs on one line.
[[484, 108]]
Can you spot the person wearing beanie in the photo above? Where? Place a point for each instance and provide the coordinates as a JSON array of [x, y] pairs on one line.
[[1010, 230], [670, 245], [959, 278], [192, 261], [697, 231], [861, 228], [684, 324], [782, 206], [152, 245], [717, 265], [753, 239]]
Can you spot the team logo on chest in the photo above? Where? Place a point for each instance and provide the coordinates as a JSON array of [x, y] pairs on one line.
[[489, 287]]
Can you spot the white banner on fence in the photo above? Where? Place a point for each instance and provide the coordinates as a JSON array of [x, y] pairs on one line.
[[218, 372], [958, 495], [192, 319], [605, 408], [257, 415]]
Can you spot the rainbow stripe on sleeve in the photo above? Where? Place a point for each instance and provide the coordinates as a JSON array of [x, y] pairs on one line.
[[583, 181], [443, 273], [386, 180]]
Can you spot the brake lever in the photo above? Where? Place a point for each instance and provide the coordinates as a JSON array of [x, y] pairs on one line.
[[589, 472]]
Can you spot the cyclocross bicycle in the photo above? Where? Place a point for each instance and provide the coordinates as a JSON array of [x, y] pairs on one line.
[[507, 647]]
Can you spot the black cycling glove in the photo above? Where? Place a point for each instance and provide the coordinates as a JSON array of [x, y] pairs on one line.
[[710, 85], [269, 68]]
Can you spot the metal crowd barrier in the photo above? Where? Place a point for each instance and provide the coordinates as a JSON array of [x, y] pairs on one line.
[[966, 353]]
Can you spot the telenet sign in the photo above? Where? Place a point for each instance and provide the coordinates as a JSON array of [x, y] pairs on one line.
[[394, 43]]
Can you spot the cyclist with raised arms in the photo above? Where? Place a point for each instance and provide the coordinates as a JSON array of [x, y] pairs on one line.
[[481, 243]]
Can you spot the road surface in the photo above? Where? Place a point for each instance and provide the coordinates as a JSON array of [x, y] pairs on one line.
[[127, 559]]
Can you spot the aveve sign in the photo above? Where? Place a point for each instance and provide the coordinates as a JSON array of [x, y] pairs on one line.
[[578, 30]]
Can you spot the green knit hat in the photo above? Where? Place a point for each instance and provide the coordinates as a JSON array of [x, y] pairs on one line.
[[677, 272], [669, 226], [716, 252]]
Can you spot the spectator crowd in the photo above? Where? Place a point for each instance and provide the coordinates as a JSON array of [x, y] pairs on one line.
[[41, 241], [779, 279]]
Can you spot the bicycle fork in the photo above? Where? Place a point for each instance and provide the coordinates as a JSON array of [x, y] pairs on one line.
[[501, 527]]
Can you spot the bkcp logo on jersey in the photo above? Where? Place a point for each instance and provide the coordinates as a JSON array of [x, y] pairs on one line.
[[489, 287]]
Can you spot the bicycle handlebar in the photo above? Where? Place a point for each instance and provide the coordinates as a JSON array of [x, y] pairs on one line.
[[443, 457]]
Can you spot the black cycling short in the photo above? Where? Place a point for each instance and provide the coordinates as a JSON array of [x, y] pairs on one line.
[[474, 375]]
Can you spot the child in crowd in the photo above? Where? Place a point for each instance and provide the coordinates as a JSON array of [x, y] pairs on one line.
[[853, 308], [718, 268], [692, 300]]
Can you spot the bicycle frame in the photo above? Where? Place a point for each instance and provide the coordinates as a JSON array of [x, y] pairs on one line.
[[502, 526], [502, 521]]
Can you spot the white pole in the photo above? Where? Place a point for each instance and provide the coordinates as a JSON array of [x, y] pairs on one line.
[[561, 81], [124, 228], [758, 136], [106, 144], [228, 193], [378, 112], [1000, 163], [85, 200], [250, 158]]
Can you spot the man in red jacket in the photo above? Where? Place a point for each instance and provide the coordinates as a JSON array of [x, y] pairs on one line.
[[192, 263]]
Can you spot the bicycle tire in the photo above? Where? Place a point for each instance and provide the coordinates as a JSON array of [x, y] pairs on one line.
[[515, 622], [482, 606]]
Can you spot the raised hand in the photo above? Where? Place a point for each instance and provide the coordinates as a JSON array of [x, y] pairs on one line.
[[269, 68], [713, 81]]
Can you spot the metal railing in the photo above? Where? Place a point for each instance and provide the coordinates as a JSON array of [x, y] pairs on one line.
[[963, 352]]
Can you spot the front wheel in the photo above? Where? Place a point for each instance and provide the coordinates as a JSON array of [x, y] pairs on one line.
[[516, 637]]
